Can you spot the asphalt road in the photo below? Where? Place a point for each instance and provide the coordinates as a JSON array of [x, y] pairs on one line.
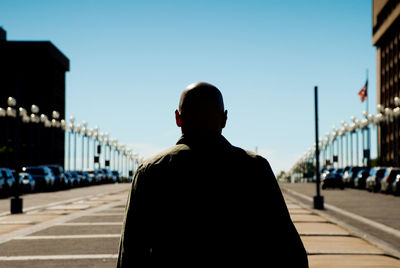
[[375, 215], [75, 228]]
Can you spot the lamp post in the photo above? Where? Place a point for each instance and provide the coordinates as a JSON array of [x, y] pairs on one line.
[[95, 139], [346, 130], [318, 199], [35, 119], [380, 119], [63, 128], [43, 120], [55, 125], [72, 130], [106, 141], [3, 114], [89, 136], [77, 131], [12, 111], [84, 134], [396, 114], [114, 147]]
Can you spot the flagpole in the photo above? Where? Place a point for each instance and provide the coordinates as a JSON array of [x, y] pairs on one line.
[[368, 130], [367, 95]]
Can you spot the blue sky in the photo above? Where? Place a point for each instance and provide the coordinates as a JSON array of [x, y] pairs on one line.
[[130, 60]]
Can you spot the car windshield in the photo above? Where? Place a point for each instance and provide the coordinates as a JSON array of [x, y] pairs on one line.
[[55, 170], [380, 172], [35, 171]]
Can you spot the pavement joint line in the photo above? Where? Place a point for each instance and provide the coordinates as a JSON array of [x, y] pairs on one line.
[[61, 219], [364, 220], [40, 207], [89, 223], [49, 237], [16, 222], [354, 252], [308, 221], [58, 257], [326, 234], [389, 249], [108, 214]]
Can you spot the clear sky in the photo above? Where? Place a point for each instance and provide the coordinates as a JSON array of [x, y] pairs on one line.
[[130, 60]]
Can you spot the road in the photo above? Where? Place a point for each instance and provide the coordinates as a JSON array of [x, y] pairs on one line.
[[375, 215], [75, 228]]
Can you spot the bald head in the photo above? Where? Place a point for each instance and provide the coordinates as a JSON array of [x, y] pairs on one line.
[[201, 108]]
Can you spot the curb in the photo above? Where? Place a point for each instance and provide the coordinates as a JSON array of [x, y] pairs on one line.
[[387, 248]]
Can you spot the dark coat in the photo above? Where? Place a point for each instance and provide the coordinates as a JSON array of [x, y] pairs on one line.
[[207, 203]]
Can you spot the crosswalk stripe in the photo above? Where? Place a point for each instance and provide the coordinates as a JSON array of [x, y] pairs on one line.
[[89, 223], [39, 237], [58, 257]]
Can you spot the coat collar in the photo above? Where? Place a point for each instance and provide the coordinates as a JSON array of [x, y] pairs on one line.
[[204, 140]]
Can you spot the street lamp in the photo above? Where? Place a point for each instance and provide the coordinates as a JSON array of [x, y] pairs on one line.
[[77, 131], [84, 131], [72, 129], [346, 130], [35, 145], [90, 134], [16, 201]]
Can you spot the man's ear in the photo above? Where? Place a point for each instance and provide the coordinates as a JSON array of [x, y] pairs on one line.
[[178, 118], [225, 118]]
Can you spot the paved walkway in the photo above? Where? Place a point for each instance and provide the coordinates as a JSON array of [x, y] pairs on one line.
[[330, 245], [84, 232], [80, 232]]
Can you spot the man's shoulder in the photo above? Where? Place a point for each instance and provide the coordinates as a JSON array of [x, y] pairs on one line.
[[165, 156], [250, 155]]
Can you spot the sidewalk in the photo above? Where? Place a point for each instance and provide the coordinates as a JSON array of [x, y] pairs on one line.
[[330, 245], [48, 236], [79, 232]]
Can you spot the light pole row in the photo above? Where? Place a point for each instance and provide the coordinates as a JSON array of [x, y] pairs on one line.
[[343, 137], [106, 150]]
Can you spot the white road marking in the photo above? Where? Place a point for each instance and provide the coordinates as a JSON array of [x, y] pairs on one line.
[[58, 257], [62, 219], [108, 214], [89, 223], [40, 237]]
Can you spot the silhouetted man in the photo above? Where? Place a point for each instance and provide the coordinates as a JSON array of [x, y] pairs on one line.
[[206, 203]]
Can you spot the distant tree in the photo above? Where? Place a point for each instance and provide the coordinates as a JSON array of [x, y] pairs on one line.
[[281, 176]]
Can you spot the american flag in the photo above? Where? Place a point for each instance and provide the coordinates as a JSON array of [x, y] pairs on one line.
[[363, 92]]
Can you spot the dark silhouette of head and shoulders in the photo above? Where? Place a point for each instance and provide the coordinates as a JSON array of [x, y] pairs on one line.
[[205, 202]]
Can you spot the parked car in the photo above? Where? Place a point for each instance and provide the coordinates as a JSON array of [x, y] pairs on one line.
[[333, 180], [373, 182], [68, 178], [102, 176], [349, 175], [116, 175], [27, 183], [42, 175], [59, 178], [94, 174], [85, 178], [339, 171], [108, 175], [396, 186], [7, 181], [75, 178], [388, 179], [359, 180]]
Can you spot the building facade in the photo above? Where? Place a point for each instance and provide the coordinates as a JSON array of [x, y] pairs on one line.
[[32, 72], [386, 39]]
